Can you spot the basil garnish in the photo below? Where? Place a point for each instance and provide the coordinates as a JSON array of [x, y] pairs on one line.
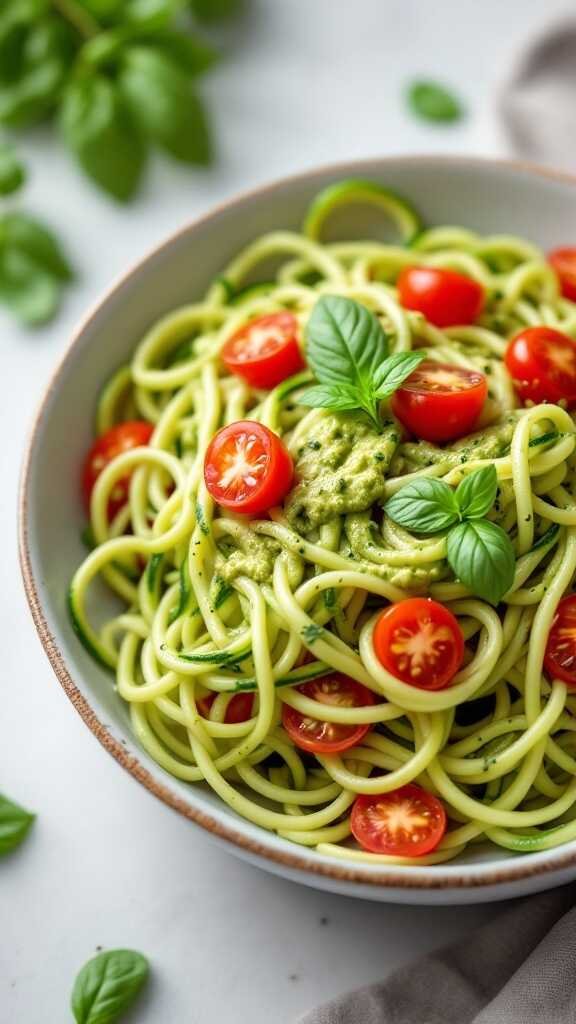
[[479, 552], [348, 351], [433, 102], [15, 823], [107, 985]]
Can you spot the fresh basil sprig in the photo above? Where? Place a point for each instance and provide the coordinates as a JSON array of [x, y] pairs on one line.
[[479, 552], [107, 985], [15, 824], [347, 350]]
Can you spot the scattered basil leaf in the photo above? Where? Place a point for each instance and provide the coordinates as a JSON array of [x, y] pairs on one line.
[[107, 985], [12, 173], [476, 493], [433, 102], [151, 14], [192, 53], [160, 98], [21, 231], [394, 371], [481, 555], [214, 10], [330, 396], [15, 823], [29, 292], [98, 130], [424, 506]]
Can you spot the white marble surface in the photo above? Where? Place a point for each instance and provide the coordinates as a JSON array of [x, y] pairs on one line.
[[307, 81]]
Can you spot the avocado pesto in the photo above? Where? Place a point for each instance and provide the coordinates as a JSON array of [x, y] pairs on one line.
[[340, 521]]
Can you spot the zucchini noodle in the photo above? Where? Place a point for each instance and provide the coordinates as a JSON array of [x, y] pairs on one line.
[[214, 605]]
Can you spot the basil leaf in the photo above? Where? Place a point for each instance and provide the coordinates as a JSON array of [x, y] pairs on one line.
[[31, 96], [99, 131], [12, 174], [481, 555], [28, 291], [344, 342], [150, 14], [331, 396], [424, 506], [433, 102], [192, 53], [15, 823], [476, 493], [394, 371], [20, 231], [107, 985], [162, 103], [213, 10]]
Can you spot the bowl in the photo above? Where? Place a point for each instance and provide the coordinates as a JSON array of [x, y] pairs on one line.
[[484, 195]]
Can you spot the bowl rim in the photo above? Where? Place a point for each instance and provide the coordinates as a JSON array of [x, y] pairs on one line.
[[455, 876]]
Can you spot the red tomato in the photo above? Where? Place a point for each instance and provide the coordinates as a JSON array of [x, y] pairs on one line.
[[265, 351], [542, 363], [247, 468], [327, 737], [445, 297], [420, 642], [560, 655], [239, 708], [408, 822], [438, 402], [563, 261], [118, 439]]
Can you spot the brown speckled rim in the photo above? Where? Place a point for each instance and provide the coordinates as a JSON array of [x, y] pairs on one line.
[[452, 877]]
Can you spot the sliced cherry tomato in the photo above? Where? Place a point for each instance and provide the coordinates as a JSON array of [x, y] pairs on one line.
[[118, 439], [438, 402], [408, 822], [238, 709], [445, 297], [247, 468], [265, 351], [542, 364], [560, 655], [420, 642], [563, 261], [327, 737]]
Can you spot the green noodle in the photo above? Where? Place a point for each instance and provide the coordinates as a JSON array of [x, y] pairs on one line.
[[499, 745]]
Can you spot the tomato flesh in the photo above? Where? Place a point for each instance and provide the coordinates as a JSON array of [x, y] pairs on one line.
[[320, 737], [239, 707], [439, 402], [119, 439], [265, 351], [407, 822], [563, 261], [419, 642], [560, 655], [542, 364], [446, 298], [247, 468]]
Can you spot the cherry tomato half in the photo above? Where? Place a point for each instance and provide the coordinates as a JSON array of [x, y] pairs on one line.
[[420, 642], [265, 351], [408, 822], [118, 439], [438, 402], [445, 297], [327, 737], [560, 655], [247, 468], [563, 261], [542, 364], [238, 709]]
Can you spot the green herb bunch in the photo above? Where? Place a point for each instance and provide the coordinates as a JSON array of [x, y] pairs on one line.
[[479, 552]]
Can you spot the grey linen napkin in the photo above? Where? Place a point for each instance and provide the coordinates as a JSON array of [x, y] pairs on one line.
[[518, 969], [538, 101]]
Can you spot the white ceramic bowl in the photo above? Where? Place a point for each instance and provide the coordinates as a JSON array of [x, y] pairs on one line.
[[489, 196]]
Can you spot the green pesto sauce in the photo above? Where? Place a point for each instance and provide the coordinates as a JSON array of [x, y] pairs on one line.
[[254, 557]]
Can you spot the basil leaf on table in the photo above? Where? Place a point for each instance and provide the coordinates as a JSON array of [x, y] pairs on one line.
[[98, 130], [481, 555], [29, 292], [107, 985], [162, 103], [15, 824], [24, 232], [192, 53], [476, 493], [12, 173], [213, 10], [433, 102], [424, 506]]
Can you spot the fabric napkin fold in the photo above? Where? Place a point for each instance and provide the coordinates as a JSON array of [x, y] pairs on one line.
[[520, 968]]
